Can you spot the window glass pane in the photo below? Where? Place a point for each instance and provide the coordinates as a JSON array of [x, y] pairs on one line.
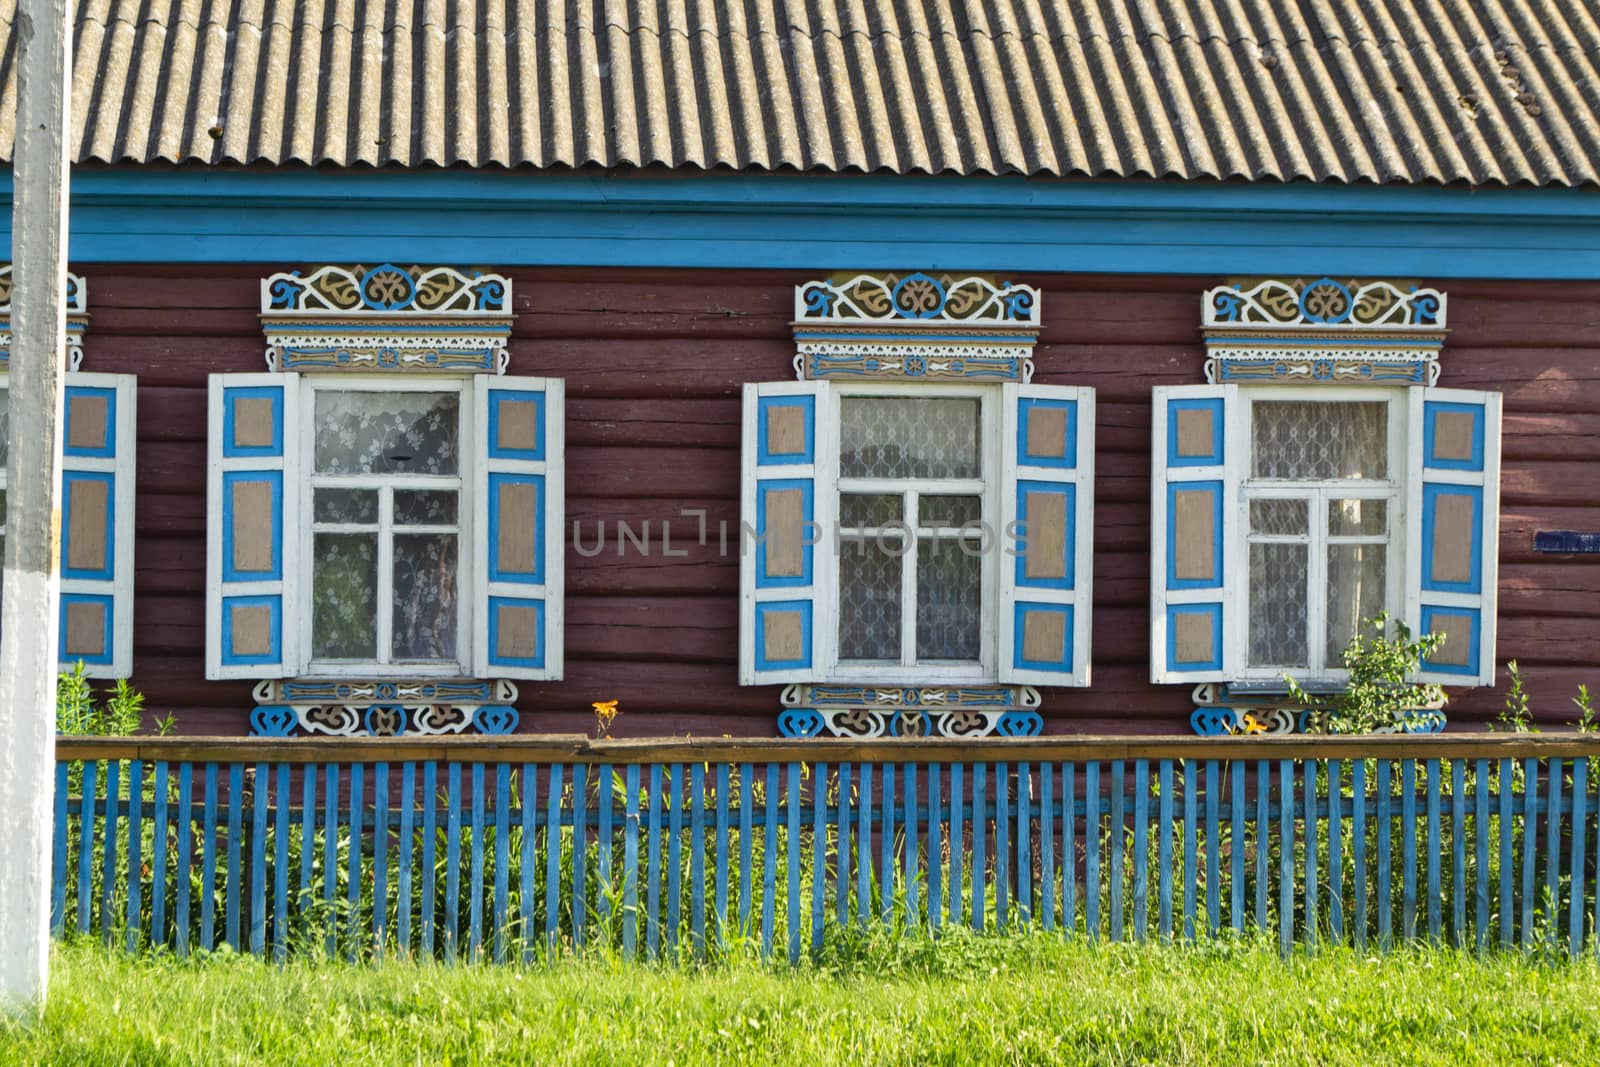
[[5, 429], [346, 505], [386, 433], [869, 602], [900, 437], [949, 608], [1356, 591], [951, 512], [1280, 517], [859, 510], [419, 507], [1278, 605], [1352, 518], [424, 596], [344, 579], [1310, 439]]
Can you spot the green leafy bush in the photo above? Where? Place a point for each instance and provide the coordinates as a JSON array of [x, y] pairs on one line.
[[120, 715], [1380, 691]]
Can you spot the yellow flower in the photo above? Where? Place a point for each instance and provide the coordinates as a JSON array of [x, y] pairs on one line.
[[605, 712]]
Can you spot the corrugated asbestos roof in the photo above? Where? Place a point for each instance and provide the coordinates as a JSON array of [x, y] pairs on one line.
[[1475, 91]]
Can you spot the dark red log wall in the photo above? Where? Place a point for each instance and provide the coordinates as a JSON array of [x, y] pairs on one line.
[[654, 362]]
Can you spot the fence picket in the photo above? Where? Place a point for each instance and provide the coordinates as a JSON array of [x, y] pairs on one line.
[[1236, 847], [479, 817], [280, 855], [1119, 821], [308, 837], [135, 850], [1580, 798], [552, 853], [1091, 847], [578, 906], [108, 845], [502, 856], [185, 861], [1552, 849], [158, 862], [697, 856], [936, 834], [208, 850], [674, 812], [1191, 846], [769, 866], [452, 863], [1141, 849], [1164, 853], [1358, 847], [235, 852], [1069, 848], [1335, 851], [258, 867], [403, 886], [1458, 839]]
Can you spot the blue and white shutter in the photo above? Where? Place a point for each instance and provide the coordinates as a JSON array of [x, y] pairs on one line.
[[519, 553], [786, 499], [252, 518], [1194, 573], [1047, 530], [1452, 532], [97, 472]]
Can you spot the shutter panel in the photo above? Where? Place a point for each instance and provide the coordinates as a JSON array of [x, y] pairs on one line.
[[519, 554], [786, 496], [253, 494], [1047, 502], [97, 471], [1452, 530], [1193, 523]]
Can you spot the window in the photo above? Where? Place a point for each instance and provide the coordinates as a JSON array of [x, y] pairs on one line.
[[916, 572], [386, 549], [96, 556], [1282, 517], [1323, 502], [384, 527], [915, 536]]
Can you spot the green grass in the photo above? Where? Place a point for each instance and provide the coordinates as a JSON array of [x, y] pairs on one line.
[[1020, 1000]]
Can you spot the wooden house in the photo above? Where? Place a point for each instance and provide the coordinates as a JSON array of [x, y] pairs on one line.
[[827, 369]]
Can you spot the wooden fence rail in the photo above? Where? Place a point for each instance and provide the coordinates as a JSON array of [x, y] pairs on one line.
[[508, 850]]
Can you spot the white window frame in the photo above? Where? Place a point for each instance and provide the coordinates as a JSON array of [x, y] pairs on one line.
[[1391, 489], [909, 671], [467, 596]]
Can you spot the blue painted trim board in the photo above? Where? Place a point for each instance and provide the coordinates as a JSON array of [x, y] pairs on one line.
[[820, 223]]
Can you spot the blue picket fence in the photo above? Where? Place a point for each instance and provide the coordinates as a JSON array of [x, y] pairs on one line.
[[501, 850]]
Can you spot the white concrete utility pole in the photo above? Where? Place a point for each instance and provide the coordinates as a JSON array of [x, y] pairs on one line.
[[28, 630]]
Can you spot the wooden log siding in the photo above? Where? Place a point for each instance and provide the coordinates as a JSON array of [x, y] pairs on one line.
[[676, 848], [654, 362]]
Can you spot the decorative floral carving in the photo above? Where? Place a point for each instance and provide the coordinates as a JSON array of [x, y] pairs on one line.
[[362, 708], [1323, 331], [917, 297], [77, 300], [1325, 302], [909, 711], [387, 318]]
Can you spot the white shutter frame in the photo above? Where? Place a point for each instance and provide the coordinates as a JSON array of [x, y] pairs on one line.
[[97, 595], [1026, 600], [1451, 462], [809, 600], [1202, 610], [500, 593], [264, 599]]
